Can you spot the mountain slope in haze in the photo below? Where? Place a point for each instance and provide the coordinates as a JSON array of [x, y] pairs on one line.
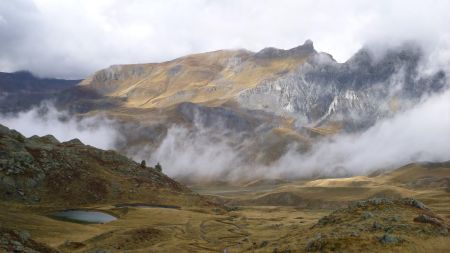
[[42, 170], [300, 83], [21, 90]]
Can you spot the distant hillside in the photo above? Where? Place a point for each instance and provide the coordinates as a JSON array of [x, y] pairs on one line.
[[21, 90]]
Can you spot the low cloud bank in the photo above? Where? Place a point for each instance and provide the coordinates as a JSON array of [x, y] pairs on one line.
[[421, 133], [45, 119], [201, 154]]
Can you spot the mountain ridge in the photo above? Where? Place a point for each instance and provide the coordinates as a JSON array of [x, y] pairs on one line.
[[21, 90], [299, 83], [260, 104]]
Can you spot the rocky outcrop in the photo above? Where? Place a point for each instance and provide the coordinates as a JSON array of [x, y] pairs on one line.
[[374, 224], [44, 170], [21, 241], [302, 51]]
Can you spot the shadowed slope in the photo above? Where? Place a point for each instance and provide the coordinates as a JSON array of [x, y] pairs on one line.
[[41, 170]]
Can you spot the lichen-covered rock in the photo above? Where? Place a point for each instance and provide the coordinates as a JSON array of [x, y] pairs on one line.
[[13, 241], [415, 203], [368, 202], [24, 236], [316, 243], [376, 225], [366, 215], [378, 221], [389, 239], [423, 218]]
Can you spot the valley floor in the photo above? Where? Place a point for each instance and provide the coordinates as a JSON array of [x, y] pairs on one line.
[[267, 216]]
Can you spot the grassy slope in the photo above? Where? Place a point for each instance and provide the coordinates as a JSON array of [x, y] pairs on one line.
[[263, 227], [208, 78]]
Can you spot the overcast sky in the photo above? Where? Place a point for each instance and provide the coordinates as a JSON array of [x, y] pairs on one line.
[[73, 38]]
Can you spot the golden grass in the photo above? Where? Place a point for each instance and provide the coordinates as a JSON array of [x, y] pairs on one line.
[[256, 226], [206, 78]]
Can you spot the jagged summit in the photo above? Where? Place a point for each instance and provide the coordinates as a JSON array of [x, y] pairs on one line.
[[300, 51], [308, 47], [367, 55]]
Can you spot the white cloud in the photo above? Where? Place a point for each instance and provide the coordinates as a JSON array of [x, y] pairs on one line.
[[196, 155], [45, 119], [76, 37], [419, 134]]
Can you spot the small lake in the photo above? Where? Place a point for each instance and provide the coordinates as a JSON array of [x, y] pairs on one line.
[[84, 216]]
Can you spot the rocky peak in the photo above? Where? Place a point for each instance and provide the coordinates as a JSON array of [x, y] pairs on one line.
[[362, 57], [408, 53], [357, 92], [304, 50]]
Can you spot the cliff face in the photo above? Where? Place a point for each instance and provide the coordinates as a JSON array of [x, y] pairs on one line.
[[358, 92]]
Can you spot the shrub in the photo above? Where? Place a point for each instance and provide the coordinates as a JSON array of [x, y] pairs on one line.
[[158, 167]]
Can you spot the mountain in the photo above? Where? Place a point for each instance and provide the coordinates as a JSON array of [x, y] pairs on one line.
[[209, 78], [22, 90], [300, 84], [306, 88], [258, 105], [44, 171], [273, 99]]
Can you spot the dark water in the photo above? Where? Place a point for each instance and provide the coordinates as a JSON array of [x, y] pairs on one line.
[[84, 216]]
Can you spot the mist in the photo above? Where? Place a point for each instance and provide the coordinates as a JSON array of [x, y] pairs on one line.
[[200, 154], [97, 131], [418, 134], [421, 133]]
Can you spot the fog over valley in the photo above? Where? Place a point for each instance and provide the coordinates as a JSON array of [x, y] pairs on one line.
[[420, 133]]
